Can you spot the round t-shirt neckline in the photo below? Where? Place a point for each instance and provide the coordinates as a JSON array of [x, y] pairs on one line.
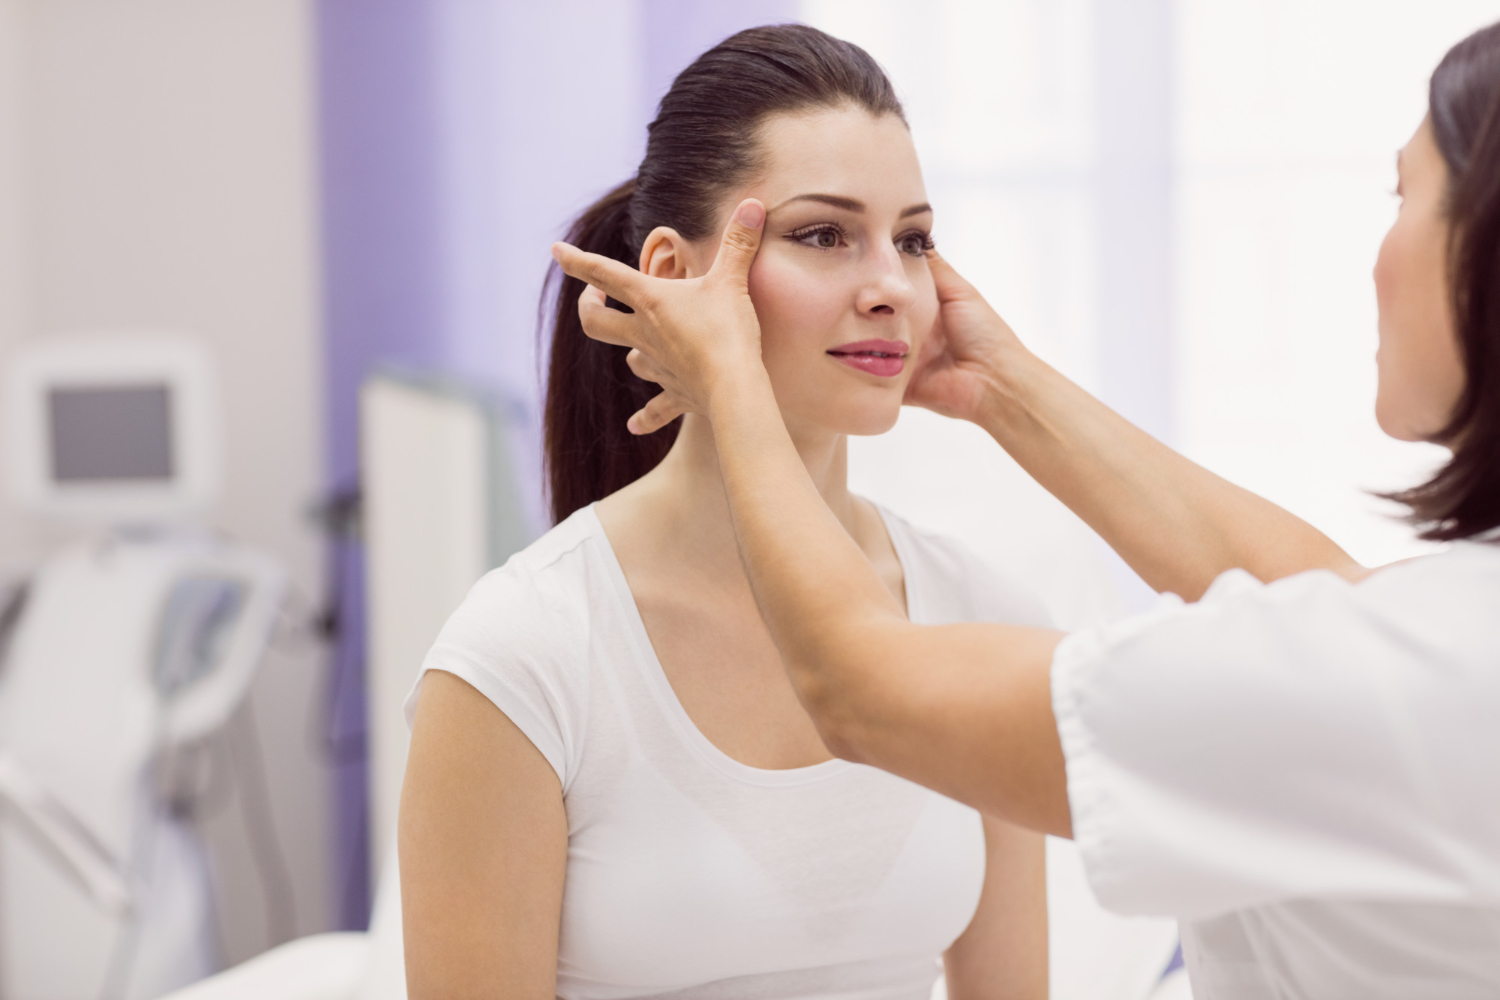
[[661, 688]]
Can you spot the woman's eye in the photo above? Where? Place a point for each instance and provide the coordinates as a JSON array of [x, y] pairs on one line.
[[820, 238], [914, 244]]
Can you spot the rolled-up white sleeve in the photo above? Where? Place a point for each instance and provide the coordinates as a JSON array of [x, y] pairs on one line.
[[1310, 738]]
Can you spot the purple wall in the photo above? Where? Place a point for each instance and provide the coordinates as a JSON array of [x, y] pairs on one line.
[[1134, 93], [382, 262], [458, 138], [383, 303], [675, 32], [1134, 198]]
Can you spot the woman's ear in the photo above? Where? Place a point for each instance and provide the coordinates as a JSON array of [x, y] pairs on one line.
[[665, 254]]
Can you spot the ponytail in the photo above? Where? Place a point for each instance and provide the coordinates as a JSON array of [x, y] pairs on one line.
[[702, 143], [591, 392]]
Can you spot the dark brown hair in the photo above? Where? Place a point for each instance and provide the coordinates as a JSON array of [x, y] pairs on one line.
[[1463, 499], [703, 142]]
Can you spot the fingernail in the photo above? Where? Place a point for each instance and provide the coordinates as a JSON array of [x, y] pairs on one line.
[[557, 252], [751, 214]]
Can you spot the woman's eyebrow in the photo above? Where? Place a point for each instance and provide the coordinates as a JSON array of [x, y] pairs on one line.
[[837, 201], [850, 204]]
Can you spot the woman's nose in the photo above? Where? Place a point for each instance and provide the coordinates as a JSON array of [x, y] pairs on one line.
[[887, 291]]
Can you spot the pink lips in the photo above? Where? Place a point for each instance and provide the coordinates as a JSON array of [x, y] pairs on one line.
[[877, 357]]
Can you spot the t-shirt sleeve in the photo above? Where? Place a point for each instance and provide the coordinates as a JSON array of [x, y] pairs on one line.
[[971, 589], [1309, 738], [516, 648], [998, 597]]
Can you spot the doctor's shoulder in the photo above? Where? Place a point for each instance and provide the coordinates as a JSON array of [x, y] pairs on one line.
[[947, 581], [1452, 594]]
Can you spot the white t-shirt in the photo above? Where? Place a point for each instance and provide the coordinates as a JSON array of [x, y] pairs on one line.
[[689, 873], [1307, 774]]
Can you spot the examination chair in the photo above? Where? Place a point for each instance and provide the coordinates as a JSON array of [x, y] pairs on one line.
[[346, 965]]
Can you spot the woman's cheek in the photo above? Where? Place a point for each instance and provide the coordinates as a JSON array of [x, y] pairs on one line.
[[924, 313], [791, 302]]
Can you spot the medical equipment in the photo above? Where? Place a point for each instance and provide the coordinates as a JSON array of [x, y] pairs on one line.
[[129, 646], [441, 506]]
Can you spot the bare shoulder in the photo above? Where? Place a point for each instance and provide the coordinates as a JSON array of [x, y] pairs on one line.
[[483, 845], [449, 706], [459, 733]]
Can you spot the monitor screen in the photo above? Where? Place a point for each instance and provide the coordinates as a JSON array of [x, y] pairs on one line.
[[109, 432]]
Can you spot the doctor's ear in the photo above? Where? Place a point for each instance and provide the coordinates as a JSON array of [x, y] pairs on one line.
[[665, 254]]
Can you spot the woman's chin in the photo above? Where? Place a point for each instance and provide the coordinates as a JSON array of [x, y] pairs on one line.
[[863, 413], [1402, 419]]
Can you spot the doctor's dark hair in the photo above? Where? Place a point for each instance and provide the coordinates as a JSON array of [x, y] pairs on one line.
[[704, 142], [1463, 498]]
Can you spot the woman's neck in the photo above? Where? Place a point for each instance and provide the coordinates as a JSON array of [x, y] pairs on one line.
[[684, 495]]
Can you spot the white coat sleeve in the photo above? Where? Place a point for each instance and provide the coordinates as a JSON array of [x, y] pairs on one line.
[[1310, 738]]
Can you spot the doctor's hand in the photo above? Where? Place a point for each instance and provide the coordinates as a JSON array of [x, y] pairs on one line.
[[969, 346], [692, 336]]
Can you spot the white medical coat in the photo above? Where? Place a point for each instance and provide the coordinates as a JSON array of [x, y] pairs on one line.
[[1306, 774]]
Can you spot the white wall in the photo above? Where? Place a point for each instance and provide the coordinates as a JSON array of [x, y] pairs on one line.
[[1290, 115], [157, 170]]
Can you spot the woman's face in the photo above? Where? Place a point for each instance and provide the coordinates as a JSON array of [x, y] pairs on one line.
[[840, 284], [1421, 366]]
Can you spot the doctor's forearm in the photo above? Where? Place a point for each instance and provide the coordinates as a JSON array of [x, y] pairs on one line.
[[1177, 524], [809, 577], [963, 709]]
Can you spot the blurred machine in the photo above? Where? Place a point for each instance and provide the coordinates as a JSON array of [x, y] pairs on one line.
[[117, 652], [442, 505]]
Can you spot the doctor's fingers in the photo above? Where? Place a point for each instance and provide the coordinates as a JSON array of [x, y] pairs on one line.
[[603, 323], [740, 243], [948, 282], [619, 281], [966, 317], [648, 368], [658, 413]]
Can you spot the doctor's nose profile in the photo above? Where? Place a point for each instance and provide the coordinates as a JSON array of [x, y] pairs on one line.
[[773, 500]]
